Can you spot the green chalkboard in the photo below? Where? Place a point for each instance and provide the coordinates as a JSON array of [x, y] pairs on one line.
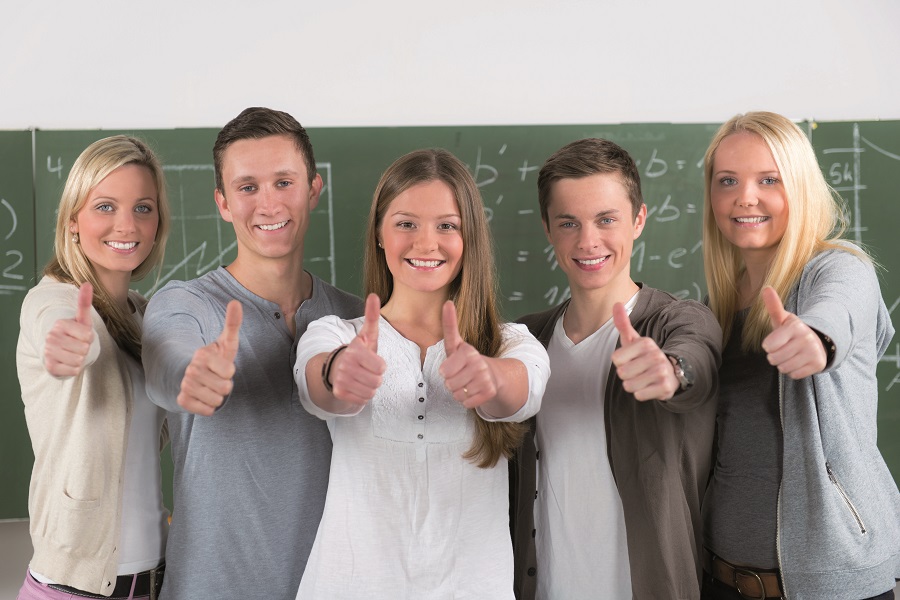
[[505, 161], [16, 277]]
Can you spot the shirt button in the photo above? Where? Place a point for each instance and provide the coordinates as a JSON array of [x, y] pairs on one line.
[[532, 571], [421, 436], [421, 384], [421, 399], [421, 417], [278, 315]]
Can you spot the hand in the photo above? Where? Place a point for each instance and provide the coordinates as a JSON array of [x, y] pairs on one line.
[[792, 347], [356, 372], [466, 372], [644, 369], [207, 379], [69, 340]]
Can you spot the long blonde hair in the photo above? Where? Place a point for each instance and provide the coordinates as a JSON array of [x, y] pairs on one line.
[[474, 291], [69, 263], [815, 222]]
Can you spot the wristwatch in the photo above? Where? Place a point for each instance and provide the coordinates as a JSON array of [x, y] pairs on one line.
[[684, 372]]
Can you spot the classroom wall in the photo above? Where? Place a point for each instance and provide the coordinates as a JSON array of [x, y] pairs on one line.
[[185, 63]]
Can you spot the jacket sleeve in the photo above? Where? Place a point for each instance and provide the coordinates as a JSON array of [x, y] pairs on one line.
[[840, 297], [688, 329]]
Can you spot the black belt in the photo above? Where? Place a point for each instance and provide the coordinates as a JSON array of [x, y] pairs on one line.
[[148, 584]]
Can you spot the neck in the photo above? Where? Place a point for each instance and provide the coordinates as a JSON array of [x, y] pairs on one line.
[[116, 285], [283, 282], [756, 268], [590, 309], [417, 316]]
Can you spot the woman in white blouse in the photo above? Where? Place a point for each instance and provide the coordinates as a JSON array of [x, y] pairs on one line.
[[424, 397]]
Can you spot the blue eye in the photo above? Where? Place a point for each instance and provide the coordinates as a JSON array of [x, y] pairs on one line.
[[283, 184], [567, 225], [143, 209], [247, 188], [104, 207], [728, 181], [769, 181]]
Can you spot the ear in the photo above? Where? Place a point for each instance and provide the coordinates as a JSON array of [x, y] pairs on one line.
[[222, 205], [639, 221], [73, 225], [314, 190]]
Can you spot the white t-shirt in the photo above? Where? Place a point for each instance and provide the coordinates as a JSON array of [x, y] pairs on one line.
[[582, 551], [405, 515], [142, 542]]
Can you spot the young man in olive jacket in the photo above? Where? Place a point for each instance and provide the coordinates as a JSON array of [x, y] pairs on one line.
[[606, 491]]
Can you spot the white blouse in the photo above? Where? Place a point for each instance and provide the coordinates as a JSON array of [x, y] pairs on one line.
[[406, 516]]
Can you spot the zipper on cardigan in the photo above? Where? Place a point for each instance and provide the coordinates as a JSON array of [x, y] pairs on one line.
[[784, 593], [847, 501]]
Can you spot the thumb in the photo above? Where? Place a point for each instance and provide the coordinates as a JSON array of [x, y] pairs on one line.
[[228, 339], [774, 307], [83, 309], [369, 330], [452, 339], [627, 333]]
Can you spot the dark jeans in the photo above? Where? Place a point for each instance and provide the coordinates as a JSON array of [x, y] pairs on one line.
[[713, 589]]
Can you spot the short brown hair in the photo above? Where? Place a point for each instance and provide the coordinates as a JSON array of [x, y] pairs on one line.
[[590, 156], [255, 123]]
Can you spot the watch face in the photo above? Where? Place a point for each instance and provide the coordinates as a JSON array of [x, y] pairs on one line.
[[684, 372]]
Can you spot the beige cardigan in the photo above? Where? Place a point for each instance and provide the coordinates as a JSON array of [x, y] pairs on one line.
[[79, 432]]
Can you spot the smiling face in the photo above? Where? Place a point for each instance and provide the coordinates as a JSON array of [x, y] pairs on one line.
[[590, 224], [117, 224], [267, 197], [747, 196], [421, 238]]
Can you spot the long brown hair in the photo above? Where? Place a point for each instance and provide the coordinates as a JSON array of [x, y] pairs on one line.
[[474, 290], [69, 263]]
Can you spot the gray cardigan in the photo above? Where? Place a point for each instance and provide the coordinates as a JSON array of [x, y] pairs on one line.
[[838, 507]]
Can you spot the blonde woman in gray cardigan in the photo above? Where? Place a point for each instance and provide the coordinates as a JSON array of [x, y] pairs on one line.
[[801, 504], [98, 525]]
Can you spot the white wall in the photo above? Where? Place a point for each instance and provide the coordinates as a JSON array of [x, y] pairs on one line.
[[170, 63]]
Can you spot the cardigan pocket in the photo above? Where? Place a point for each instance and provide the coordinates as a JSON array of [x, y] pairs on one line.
[[79, 525], [846, 498]]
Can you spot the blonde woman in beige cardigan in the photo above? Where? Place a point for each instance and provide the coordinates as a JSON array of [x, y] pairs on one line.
[[98, 525]]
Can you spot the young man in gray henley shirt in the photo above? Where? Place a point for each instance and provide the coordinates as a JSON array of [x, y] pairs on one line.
[[251, 466]]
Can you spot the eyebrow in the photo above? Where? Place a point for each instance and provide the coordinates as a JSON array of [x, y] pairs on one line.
[[279, 173], [403, 213], [599, 215]]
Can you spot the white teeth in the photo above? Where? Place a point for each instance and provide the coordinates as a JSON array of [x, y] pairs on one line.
[[424, 263], [750, 219], [122, 245], [593, 261], [273, 227]]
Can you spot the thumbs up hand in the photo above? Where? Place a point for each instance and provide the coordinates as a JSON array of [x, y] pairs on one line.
[[356, 371], [69, 340], [792, 347], [207, 379], [644, 369], [466, 372]]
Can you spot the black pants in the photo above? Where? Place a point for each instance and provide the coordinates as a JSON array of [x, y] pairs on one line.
[[713, 589]]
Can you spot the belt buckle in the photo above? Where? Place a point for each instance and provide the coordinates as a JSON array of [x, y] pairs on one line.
[[155, 582], [748, 573]]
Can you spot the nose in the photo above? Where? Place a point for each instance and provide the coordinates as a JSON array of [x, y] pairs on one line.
[[425, 240], [125, 221], [747, 196], [587, 238]]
